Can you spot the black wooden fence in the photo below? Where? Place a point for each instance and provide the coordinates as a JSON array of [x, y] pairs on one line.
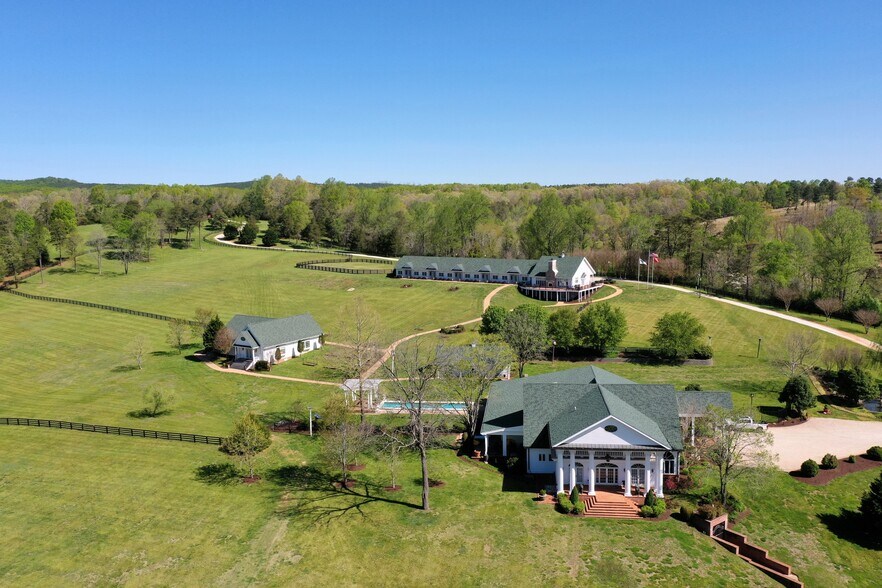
[[150, 315], [320, 265], [108, 430]]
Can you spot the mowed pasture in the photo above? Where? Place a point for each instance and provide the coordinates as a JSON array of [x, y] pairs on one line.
[[246, 281], [96, 509]]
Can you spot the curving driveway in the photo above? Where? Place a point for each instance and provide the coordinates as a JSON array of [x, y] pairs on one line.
[[818, 436]]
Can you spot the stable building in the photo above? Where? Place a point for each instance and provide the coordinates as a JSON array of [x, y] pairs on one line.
[[273, 340], [591, 427], [558, 279]]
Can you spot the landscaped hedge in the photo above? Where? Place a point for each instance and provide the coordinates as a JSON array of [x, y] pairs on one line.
[[875, 452], [829, 462], [809, 468]]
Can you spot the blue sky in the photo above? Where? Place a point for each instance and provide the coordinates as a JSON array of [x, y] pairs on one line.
[[477, 91]]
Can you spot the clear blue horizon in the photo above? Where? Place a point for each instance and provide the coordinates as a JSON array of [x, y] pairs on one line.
[[411, 92]]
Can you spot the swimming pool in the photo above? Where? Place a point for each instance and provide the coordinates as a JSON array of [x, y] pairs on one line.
[[440, 406]]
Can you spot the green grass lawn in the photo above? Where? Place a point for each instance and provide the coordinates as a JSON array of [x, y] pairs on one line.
[[93, 509], [177, 281]]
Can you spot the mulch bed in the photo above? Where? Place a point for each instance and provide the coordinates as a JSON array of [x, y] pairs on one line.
[[349, 484], [789, 422], [355, 467], [547, 499], [251, 479], [392, 488], [436, 484], [824, 477]]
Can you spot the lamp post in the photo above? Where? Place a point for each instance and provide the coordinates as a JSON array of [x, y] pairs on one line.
[[310, 420], [759, 344], [553, 346]]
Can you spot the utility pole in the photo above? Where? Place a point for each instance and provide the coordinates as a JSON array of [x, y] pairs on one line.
[[759, 344]]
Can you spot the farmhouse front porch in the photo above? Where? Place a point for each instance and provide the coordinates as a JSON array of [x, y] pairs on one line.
[[632, 472]]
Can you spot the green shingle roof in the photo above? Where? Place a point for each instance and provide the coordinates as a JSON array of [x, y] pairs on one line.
[[505, 402], [554, 407], [270, 332], [469, 265]]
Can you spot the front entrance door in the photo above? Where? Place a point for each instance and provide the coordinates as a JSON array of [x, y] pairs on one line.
[[638, 477], [607, 474], [580, 474]]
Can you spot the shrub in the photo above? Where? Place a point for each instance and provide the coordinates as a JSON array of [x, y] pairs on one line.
[[856, 385], [875, 453], [686, 513], [602, 327], [650, 499], [231, 232], [654, 510], [270, 237], [809, 468], [871, 506], [829, 462], [694, 387], [703, 351], [850, 459], [574, 494], [564, 504], [261, 366], [249, 233], [710, 511], [511, 464], [578, 507], [542, 491]]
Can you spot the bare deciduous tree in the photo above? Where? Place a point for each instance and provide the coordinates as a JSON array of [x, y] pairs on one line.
[[411, 382], [799, 351], [137, 351], [359, 330], [786, 294], [867, 318], [98, 243], [732, 450], [157, 401], [342, 439], [843, 358], [671, 268], [468, 373], [828, 306], [177, 333], [203, 317]]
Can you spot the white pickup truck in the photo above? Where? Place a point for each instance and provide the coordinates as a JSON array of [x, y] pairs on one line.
[[748, 423]]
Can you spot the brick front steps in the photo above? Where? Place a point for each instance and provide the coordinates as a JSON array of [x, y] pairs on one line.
[[606, 505], [758, 557]]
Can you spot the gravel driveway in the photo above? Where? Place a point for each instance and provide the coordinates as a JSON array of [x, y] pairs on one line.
[[818, 436]]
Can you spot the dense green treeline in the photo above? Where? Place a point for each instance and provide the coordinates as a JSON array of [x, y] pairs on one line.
[[793, 241]]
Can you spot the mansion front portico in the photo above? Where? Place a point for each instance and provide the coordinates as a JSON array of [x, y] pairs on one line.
[[634, 471], [588, 426]]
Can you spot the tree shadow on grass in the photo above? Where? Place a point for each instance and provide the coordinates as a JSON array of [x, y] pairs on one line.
[[850, 526], [164, 353], [217, 474], [312, 494], [147, 414], [772, 411], [125, 368]]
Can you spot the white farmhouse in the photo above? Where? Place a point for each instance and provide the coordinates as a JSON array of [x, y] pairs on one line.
[[272, 340]]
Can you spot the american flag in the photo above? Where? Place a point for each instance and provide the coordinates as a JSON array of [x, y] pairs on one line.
[[653, 257]]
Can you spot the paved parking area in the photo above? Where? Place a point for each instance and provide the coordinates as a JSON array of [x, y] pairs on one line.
[[818, 436]]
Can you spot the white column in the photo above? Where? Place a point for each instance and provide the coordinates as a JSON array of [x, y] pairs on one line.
[[659, 475], [648, 473], [591, 473], [627, 473], [572, 469], [504, 445], [486, 445], [693, 431], [559, 455]]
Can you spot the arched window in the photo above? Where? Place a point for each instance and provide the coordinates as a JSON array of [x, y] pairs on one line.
[[670, 463]]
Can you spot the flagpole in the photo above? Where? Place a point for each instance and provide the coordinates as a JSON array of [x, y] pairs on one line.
[[638, 270]]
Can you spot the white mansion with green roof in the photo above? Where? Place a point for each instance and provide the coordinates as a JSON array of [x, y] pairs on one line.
[[564, 279], [272, 340], [588, 426]]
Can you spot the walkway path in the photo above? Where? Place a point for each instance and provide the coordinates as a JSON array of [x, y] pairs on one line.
[[219, 238], [389, 350], [218, 368], [793, 319]]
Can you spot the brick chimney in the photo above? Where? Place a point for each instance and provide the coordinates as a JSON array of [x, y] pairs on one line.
[[551, 274]]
